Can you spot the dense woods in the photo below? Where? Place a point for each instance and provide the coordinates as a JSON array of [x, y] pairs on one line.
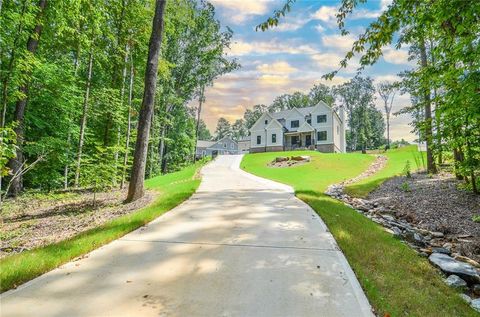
[[72, 80]]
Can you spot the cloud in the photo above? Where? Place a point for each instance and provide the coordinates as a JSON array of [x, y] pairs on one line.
[[239, 11], [281, 67], [274, 46], [274, 80], [331, 61], [338, 41], [365, 14], [319, 28], [384, 4], [394, 56], [326, 14]]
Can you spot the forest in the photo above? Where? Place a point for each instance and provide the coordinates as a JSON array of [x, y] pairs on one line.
[[72, 81]]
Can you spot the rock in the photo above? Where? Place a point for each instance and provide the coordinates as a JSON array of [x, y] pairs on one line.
[[397, 232], [475, 304], [437, 234], [281, 159], [427, 251], [441, 250], [467, 260], [451, 266], [476, 289], [448, 246], [417, 239], [466, 298], [388, 217], [455, 281], [300, 158]]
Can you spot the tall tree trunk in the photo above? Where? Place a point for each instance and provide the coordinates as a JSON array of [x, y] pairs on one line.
[[66, 168], [199, 112], [122, 94], [129, 124], [431, 168], [136, 188], [83, 123], [19, 115], [388, 130]]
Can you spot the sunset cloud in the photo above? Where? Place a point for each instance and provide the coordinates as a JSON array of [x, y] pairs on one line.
[[240, 11]]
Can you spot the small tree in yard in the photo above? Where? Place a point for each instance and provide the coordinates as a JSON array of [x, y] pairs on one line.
[[98, 171], [387, 92]]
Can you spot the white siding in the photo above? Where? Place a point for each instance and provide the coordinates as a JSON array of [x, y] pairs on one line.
[[279, 133]]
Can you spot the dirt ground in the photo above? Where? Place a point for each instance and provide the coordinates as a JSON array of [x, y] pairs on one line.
[[32, 221], [435, 203]]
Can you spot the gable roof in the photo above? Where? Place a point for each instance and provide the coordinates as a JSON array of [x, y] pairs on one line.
[[205, 144], [305, 127], [274, 122]]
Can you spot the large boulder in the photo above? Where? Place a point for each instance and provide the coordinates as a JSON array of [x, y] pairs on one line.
[[451, 266], [281, 159]]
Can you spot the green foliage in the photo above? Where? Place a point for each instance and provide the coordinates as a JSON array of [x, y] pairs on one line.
[[8, 140], [407, 169], [476, 218], [405, 187], [223, 129], [115, 34]]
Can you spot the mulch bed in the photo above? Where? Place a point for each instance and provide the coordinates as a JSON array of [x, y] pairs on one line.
[[28, 223], [435, 203]]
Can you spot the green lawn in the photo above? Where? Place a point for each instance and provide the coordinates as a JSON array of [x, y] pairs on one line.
[[397, 160], [396, 280], [173, 189]]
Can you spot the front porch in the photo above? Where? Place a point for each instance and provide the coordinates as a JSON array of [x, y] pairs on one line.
[[299, 140]]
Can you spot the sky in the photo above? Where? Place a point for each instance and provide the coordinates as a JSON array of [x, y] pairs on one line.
[[293, 56]]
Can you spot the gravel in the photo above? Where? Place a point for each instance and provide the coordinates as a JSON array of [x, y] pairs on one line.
[[435, 203]]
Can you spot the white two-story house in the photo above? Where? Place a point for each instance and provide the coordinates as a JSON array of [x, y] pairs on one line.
[[316, 128]]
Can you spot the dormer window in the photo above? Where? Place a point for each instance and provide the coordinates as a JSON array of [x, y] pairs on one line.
[[294, 124], [266, 122]]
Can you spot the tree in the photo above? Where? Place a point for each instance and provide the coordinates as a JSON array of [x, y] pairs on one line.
[[136, 188], [387, 92], [239, 131], [203, 132], [251, 116], [321, 92], [223, 129], [357, 97], [19, 116]]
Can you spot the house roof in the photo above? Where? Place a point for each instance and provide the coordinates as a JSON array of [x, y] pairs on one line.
[[284, 113], [205, 144], [305, 127]]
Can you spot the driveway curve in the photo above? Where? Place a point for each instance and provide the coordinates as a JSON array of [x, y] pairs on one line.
[[240, 246]]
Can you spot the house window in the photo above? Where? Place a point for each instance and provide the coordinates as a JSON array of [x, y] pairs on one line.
[[321, 118], [266, 121], [309, 121], [274, 138], [225, 145], [259, 139], [322, 135], [295, 139], [231, 146], [294, 124]]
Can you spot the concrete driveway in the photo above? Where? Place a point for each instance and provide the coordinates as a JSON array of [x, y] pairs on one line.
[[240, 246]]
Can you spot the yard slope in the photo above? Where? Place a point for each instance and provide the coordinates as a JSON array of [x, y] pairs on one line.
[[397, 160], [396, 280]]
